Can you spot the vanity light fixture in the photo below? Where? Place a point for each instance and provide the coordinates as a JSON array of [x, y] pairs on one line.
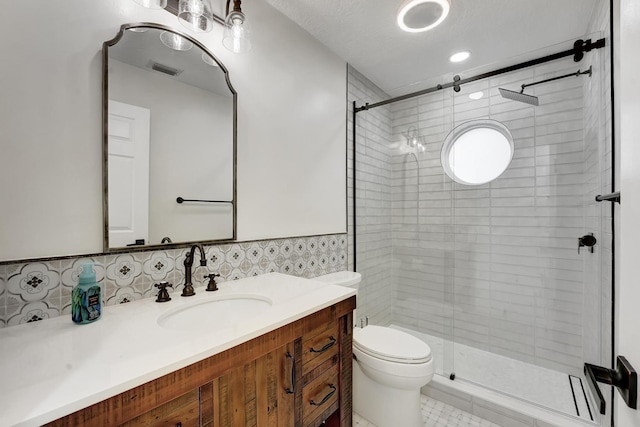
[[197, 16], [476, 95], [416, 16], [236, 35], [460, 56]]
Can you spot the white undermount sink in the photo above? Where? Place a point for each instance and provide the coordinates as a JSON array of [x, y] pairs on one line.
[[214, 313]]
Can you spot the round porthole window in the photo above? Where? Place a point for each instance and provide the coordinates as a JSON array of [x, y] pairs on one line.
[[477, 152]]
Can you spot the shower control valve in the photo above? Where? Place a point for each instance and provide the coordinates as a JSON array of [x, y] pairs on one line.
[[588, 240]]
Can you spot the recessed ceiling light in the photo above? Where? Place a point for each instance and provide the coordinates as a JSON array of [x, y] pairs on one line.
[[476, 95], [460, 56], [415, 16]]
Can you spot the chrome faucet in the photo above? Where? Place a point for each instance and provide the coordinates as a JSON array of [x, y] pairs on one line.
[[188, 291]]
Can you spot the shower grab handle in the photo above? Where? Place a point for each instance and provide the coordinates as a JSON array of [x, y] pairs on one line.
[[612, 197], [624, 378]]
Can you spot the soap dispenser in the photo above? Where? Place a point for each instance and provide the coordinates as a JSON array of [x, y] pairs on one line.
[[86, 299]]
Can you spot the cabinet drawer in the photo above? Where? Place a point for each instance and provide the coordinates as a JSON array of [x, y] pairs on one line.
[[319, 347], [320, 394]]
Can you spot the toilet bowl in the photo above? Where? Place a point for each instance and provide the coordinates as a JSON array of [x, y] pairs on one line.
[[389, 368]]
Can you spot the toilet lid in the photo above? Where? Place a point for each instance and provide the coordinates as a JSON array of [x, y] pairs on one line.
[[391, 344]]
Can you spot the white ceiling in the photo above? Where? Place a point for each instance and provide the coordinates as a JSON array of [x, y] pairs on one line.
[[365, 34]]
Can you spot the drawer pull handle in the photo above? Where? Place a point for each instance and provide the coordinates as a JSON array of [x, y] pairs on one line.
[[326, 347], [324, 399], [292, 389]]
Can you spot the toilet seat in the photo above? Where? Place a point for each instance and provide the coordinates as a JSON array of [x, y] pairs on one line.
[[391, 345]]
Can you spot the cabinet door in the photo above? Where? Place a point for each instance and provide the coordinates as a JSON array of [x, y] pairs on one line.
[[181, 411], [260, 393]]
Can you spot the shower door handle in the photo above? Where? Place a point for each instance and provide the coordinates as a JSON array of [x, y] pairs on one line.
[[624, 378]]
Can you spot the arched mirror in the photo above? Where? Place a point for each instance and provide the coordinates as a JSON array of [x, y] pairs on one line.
[[169, 140], [477, 152]]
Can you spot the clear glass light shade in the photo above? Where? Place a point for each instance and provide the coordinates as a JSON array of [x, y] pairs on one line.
[[209, 60], [237, 33], [196, 15], [174, 41], [152, 4]]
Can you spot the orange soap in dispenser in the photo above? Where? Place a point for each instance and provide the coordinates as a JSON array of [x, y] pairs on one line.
[[86, 300]]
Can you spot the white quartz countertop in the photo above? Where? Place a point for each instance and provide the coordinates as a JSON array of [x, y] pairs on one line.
[[51, 368]]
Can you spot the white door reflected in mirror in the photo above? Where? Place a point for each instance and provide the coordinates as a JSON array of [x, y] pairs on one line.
[[477, 152], [128, 173]]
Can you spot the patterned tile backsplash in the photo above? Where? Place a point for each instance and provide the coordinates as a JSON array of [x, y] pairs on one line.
[[32, 291]]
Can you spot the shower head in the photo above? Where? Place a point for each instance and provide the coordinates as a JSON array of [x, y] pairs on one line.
[[519, 96], [533, 100]]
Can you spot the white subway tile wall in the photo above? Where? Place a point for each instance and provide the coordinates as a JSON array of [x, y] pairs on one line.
[[32, 291]]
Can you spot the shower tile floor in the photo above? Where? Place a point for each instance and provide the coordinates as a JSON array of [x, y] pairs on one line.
[[528, 382], [437, 414]]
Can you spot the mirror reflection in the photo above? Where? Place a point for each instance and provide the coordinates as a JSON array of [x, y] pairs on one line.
[[169, 140]]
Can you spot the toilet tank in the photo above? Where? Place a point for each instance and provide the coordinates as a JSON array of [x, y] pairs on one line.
[[350, 279]]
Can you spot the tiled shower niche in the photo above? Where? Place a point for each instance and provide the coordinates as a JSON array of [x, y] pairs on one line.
[[37, 290]]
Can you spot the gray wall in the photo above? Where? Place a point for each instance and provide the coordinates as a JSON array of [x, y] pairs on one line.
[[291, 125]]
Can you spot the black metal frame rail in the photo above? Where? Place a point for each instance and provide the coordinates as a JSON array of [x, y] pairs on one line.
[[578, 51]]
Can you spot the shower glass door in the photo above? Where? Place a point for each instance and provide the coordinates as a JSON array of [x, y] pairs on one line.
[[423, 227], [527, 299]]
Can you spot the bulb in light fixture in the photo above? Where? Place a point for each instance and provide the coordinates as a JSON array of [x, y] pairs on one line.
[[152, 4], [416, 16], [175, 41], [476, 95], [236, 35], [460, 56], [196, 15]]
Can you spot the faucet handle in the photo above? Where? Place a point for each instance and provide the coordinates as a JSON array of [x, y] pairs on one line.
[[163, 294], [212, 286]]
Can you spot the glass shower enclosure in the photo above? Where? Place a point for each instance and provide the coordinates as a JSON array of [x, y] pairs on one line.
[[508, 281]]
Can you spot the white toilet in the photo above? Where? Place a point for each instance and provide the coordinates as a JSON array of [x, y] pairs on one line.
[[390, 367]]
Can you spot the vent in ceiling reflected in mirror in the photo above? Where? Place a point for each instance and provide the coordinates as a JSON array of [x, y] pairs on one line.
[[156, 66]]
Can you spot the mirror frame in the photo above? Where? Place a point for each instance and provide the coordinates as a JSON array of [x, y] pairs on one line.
[[105, 144]]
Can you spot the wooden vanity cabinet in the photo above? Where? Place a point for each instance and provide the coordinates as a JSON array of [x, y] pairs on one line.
[[296, 376], [260, 393]]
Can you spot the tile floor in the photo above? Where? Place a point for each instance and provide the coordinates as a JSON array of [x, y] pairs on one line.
[[437, 414]]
